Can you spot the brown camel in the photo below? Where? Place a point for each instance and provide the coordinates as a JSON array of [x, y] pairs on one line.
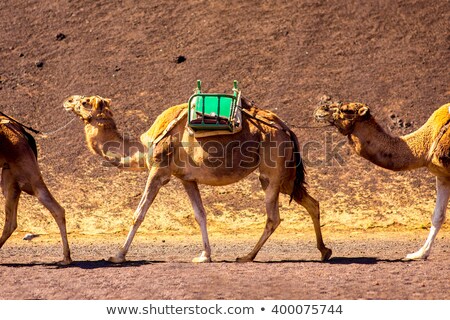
[[168, 148], [20, 172], [428, 147]]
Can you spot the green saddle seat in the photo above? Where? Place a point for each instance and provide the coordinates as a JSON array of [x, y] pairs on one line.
[[212, 111]]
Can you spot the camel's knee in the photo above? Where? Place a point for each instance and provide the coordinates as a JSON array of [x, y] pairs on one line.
[[200, 220], [60, 215], [276, 223], [200, 216], [438, 220], [138, 218], [140, 213], [272, 223]]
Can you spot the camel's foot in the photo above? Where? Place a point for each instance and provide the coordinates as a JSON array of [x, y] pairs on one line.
[[419, 255], [326, 254], [244, 259], [65, 262], [202, 258], [119, 258]]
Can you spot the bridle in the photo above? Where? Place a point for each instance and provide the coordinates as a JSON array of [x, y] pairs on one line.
[[88, 119], [342, 116]]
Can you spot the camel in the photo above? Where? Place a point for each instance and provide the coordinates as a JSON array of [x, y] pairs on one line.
[[20, 172], [428, 147], [168, 149]]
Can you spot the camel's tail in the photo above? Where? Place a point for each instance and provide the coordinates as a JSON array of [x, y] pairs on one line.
[[31, 142], [299, 188]]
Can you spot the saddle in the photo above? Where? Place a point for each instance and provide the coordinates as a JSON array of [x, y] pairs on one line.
[[214, 113]]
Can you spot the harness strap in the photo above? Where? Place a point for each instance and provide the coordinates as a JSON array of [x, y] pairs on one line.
[[270, 124], [169, 127], [24, 126], [438, 138]]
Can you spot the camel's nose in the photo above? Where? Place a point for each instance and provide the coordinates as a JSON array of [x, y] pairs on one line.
[[321, 114], [68, 105]]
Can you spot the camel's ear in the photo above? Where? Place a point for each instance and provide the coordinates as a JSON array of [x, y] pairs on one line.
[[102, 104], [107, 102], [363, 111], [105, 107]]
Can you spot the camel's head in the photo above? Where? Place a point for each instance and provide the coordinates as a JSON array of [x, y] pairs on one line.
[[89, 108], [343, 116]]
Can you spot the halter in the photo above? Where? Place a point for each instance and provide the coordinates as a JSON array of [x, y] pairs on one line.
[[89, 117], [340, 115]]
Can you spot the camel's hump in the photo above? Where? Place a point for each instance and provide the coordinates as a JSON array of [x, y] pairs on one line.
[[162, 122]]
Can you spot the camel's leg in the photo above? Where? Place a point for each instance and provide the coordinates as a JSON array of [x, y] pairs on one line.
[[11, 192], [312, 206], [272, 222], [45, 197], [443, 194], [200, 215], [157, 178]]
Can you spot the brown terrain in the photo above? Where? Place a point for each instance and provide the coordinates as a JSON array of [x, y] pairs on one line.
[[286, 55]]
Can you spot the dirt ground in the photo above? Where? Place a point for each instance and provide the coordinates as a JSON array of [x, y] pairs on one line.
[[364, 266], [286, 55]]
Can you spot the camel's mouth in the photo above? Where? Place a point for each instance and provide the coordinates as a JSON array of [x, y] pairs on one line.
[[68, 106], [322, 115], [321, 118]]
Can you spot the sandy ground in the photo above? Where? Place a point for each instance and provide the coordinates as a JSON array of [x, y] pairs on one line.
[[364, 266]]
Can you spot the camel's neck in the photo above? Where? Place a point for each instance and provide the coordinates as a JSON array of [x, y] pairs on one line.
[[394, 153], [104, 139]]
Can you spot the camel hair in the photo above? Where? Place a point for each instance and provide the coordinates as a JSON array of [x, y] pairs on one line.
[[20, 172], [428, 147], [169, 148]]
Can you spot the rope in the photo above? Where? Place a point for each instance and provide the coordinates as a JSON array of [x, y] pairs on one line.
[[22, 125], [46, 134], [312, 127], [272, 125], [43, 134]]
